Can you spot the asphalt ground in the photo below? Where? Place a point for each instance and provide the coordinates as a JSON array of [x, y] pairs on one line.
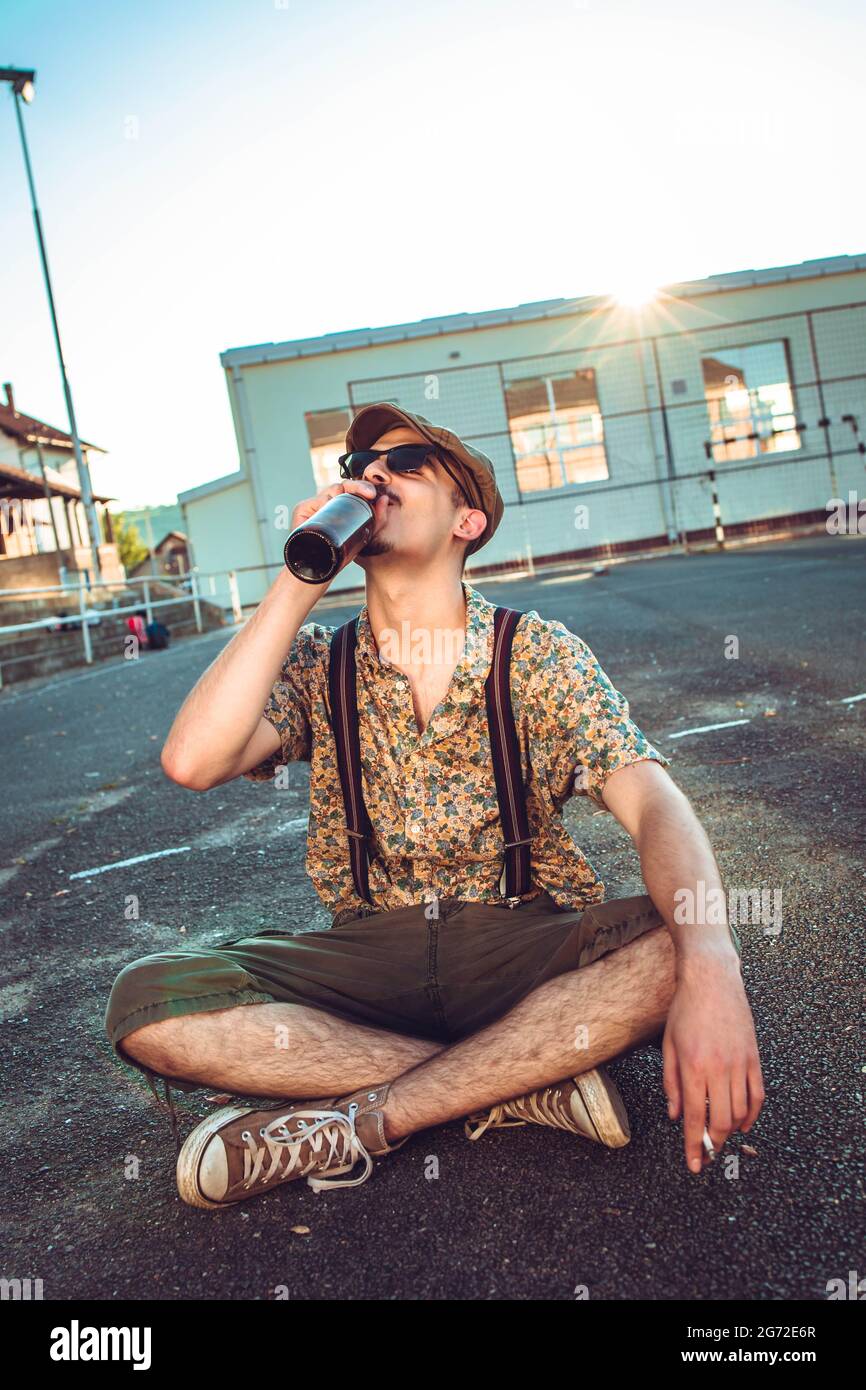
[[527, 1213]]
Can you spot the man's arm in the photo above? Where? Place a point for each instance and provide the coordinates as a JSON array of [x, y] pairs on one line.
[[223, 712], [675, 854], [710, 1050], [219, 730]]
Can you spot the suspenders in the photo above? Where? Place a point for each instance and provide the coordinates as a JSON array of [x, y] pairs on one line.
[[516, 879], [505, 751], [344, 722]]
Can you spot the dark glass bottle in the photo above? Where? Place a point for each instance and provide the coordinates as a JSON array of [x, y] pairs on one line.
[[318, 548]]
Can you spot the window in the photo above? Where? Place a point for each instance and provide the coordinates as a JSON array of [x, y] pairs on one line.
[[750, 402], [326, 430], [556, 428]]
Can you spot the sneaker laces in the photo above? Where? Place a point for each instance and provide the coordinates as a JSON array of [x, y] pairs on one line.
[[331, 1137], [541, 1105]]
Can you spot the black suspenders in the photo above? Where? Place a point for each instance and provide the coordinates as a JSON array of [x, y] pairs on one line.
[[505, 749], [344, 722]]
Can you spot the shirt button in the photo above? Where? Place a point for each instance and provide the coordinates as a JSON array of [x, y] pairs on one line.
[[415, 829]]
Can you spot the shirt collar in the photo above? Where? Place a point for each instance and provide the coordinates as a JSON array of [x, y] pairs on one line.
[[474, 664]]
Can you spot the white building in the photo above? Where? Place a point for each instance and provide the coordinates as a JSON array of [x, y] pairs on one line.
[[44, 539], [612, 429]]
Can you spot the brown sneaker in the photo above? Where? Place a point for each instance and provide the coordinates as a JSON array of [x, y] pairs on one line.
[[589, 1104], [240, 1152]]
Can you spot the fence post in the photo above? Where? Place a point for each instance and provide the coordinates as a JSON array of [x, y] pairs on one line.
[[717, 511], [147, 608], [193, 583], [85, 626], [236, 598]]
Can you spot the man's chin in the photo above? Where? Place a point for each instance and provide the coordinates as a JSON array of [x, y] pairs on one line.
[[376, 546]]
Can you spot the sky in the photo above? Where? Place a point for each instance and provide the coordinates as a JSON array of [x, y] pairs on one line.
[[218, 173]]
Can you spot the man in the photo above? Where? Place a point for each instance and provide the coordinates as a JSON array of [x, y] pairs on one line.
[[447, 985]]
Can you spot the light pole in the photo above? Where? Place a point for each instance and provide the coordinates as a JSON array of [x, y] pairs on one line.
[[21, 82]]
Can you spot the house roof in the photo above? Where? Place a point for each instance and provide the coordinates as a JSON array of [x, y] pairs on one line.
[[524, 313], [28, 430], [179, 535], [17, 482]]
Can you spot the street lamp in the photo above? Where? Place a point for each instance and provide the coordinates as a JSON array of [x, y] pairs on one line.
[[21, 82]]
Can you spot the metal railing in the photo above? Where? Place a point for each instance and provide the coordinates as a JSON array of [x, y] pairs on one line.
[[90, 615]]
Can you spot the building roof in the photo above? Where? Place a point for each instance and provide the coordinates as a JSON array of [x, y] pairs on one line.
[[524, 313], [179, 535], [17, 482], [28, 430], [192, 494]]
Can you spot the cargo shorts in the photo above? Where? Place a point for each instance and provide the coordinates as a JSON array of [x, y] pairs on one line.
[[439, 971]]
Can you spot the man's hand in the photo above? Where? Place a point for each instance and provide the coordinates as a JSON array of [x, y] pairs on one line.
[[710, 1054], [709, 1048]]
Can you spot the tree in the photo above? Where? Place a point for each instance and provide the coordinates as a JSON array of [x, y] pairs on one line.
[[130, 546]]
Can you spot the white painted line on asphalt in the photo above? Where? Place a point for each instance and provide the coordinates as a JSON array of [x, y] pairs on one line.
[[707, 728], [123, 863], [567, 579], [849, 699]]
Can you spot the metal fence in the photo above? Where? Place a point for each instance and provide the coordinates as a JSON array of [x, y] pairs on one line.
[[219, 587], [89, 612]]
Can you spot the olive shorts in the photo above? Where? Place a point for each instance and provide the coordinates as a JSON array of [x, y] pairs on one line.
[[437, 971]]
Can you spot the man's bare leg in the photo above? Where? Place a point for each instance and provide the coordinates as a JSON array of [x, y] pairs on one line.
[[566, 1026], [276, 1050]]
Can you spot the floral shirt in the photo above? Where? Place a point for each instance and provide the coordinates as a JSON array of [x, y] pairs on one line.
[[431, 796]]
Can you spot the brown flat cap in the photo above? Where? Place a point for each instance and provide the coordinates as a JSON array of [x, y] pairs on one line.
[[469, 467]]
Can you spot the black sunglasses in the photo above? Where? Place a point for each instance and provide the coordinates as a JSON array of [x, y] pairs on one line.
[[403, 458]]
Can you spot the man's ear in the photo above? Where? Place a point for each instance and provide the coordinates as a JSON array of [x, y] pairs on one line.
[[472, 524]]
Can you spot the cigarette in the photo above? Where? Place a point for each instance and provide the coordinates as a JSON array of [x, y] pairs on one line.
[[708, 1144]]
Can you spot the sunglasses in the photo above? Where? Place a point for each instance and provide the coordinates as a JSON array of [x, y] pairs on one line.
[[403, 458]]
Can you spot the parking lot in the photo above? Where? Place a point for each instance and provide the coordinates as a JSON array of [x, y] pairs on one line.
[[91, 1204]]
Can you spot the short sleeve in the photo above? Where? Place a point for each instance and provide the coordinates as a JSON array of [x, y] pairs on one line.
[[290, 702], [583, 728]]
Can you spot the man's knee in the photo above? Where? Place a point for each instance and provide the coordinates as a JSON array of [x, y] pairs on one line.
[[182, 1040], [151, 1043], [152, 995], [664, 943], [665, 967], [655, 984], [652, 952]]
